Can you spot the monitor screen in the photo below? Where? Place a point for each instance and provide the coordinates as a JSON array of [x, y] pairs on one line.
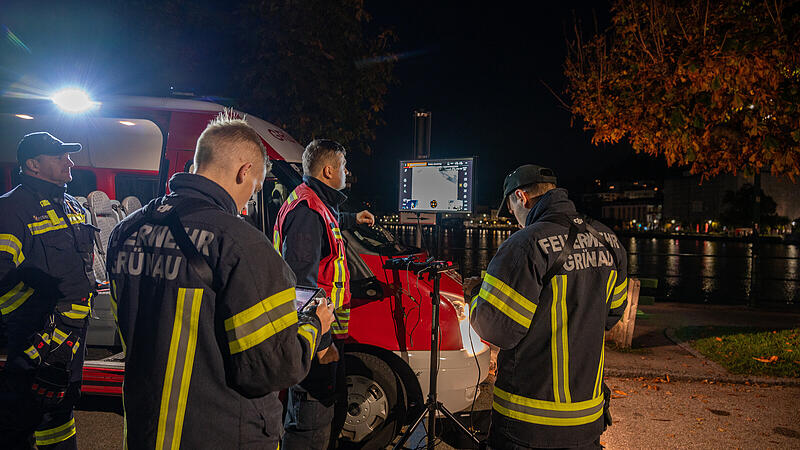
[[304, 294], [436, 185]]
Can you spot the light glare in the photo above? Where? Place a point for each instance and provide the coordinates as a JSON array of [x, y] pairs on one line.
[[73, 100], [127, 123], [24, 116]]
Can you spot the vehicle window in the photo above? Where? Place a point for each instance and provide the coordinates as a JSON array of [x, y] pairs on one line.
[[83, 182], [144, 187]]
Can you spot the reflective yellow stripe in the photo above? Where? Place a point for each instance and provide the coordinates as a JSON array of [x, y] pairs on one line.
[[32, 353], [599, 378], [75, 347], [262, 320], [77, 312], [115, 312], [76, 218], [276, 241], [620, 294], [14, 298], [507, 300], [341, 326], [545, 412], [44, 226], [309, 333], [54, 219], [292, 197], [56, 435], [179, 368], [337, 233], [473, 304], [59, 336], [44, 203], [10, 244], [559, 340]]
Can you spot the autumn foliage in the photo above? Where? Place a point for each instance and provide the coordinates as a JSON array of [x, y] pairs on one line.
[[714, 85]]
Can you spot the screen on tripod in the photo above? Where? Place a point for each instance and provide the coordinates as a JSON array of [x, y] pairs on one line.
[[436, 185]]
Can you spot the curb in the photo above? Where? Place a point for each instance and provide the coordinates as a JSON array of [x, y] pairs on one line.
[[734, 379]]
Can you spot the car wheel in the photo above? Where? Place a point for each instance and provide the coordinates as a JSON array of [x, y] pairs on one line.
[[375, 407]]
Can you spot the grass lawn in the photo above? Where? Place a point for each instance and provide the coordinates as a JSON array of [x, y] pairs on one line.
[[748, 351]]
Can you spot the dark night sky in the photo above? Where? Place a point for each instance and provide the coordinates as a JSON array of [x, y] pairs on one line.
[[478, 67]]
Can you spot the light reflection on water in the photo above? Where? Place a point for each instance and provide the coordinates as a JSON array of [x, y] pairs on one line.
[[687, 270]]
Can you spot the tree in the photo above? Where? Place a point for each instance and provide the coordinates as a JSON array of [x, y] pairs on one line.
[[316, 68], [712, 85], [738, 208]]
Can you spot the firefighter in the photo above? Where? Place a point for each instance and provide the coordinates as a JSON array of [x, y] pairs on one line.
[[308, 235], [46, 286], [547, 297], [205, 307]]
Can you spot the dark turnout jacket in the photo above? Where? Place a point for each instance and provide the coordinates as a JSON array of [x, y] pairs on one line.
[[548, 391], [204, 363], [45, 271]]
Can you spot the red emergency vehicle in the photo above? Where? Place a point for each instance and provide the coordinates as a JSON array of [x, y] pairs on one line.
[[132, 145]]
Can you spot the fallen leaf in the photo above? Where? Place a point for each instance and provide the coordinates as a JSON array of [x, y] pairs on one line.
[[720, 429], [771, 359], [718, 338], [667, 378], [617, 391]]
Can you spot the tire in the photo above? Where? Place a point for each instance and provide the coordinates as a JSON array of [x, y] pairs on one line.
[[376, 408]]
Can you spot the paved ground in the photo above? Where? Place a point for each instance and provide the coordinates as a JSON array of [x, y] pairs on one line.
[[691, 410]]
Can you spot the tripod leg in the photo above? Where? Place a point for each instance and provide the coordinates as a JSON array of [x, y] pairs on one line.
[[460, 425], [410, 430]]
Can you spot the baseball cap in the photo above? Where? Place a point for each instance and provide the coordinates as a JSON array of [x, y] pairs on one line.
[[43, 143], [523, 176]]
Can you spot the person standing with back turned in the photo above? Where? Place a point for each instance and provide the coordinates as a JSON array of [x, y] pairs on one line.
[[205, 307], [308, 235], [548, 296]]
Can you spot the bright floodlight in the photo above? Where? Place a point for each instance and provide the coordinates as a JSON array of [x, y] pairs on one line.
[[73, 100]]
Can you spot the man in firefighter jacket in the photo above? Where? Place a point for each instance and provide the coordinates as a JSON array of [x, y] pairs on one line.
[[548, 296], [308, 235], [46, 285], [205, 307]]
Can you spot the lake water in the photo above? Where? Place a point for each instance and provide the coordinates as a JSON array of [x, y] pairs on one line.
[[687, 270]]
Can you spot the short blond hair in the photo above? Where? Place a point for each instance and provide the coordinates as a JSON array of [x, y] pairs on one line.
[[319, 153], [227, 139]]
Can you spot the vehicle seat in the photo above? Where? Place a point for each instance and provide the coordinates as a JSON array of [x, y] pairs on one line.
[[85, 204], [130, 204], [104, 218], [117, 210]]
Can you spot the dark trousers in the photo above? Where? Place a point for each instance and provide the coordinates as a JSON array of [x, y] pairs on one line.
[[316, 409], [24, 423]]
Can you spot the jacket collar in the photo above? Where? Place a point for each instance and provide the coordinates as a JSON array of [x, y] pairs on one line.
[[45, 189], [198, 186], [555, 201], [330, 196]]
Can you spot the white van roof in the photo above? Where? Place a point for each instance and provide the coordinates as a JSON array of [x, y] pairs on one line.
[[125, 142]]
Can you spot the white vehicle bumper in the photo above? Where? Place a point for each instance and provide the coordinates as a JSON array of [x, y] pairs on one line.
[[457, 381]]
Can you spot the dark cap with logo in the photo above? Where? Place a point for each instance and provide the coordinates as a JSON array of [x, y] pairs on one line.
[[523, 176], [43, 143]]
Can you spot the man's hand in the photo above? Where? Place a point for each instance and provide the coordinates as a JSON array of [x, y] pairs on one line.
[[468, 285], [329, 355], [365, 217], [325, 315]]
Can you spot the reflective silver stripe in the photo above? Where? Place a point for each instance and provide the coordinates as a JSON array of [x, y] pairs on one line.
[[545, 412], [261, 321], [44, 226], [507, 300], [620, 294], [10, 244], [179, 368], [276, 241], [55, 435], [559, 340], [14, 298]]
